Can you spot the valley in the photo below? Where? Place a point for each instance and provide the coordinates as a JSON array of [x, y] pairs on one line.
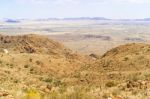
[[83, 60], [83, 36]]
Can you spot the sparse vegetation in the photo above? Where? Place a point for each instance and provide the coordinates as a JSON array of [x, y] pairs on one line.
[[110, 84], [16, 81], [26, 66], [147, 75], [56, 75], [30, 60], [48, 80], [38, 62], [134, 77], [126, 59], [1, 62], [75, 93]]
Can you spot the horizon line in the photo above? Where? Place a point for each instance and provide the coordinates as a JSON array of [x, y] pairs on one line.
[[67, 18]]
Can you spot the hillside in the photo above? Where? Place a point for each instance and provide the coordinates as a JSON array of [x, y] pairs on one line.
[[122, 63], [34, 61], [134, 56], [123, 72], [32, 44], [36, 66]]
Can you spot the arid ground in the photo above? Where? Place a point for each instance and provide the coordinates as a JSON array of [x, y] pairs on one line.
[[83, 59], [83, 36]]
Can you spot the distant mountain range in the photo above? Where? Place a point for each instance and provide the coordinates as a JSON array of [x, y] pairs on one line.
[[78, 18], [94, 18], [12, 21]]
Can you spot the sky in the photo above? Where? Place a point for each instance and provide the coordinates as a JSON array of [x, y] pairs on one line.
[[34, 9]]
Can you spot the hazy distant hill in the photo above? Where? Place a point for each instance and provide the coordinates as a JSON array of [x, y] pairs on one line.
[[77, 18], [12, 21]]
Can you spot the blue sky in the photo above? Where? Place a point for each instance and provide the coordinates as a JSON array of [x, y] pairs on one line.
[[34, 9]]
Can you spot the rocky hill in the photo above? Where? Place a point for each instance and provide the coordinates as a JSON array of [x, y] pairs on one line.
[[33, 61], [122, 72], [32, 44], [127, 57]]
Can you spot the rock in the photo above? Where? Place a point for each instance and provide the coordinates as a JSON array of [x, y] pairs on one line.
[[3, 93], [94, 56]]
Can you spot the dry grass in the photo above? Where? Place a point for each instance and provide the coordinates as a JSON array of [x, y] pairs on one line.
[[55, 93], [121, 72]]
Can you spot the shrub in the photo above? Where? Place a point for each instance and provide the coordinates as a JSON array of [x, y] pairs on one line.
[[126, 59], [31, 69], [115, 50], [77, 75], [49, 80], [26, 66], [16, 81], [31, 94], [147, 75], [38, 62], [30, 60], [57, 83], [1, 62], [73, 93], [110, 84], [11, 65], [134, 77]]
